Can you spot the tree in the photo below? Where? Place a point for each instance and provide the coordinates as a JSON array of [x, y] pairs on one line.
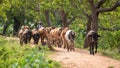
[[4, 15], [68, 10], [46, 8], [18, 12], [96, 9]]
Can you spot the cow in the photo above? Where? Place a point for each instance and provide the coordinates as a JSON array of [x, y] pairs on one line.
[[48, 37], [55, 36], [92, 38], [68, 37], [25, 35], [35, 36], [42, 35], [45, 34], [63, 36]]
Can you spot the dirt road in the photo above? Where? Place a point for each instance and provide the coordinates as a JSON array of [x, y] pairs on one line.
[[82, 59]]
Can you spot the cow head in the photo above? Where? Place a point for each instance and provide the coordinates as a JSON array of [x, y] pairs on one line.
[[94, 36], [71, 35]]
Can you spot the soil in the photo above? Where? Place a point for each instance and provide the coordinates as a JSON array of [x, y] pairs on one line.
[[82, 59]]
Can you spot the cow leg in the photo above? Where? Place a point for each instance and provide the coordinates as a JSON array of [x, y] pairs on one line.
[[64, 43], [29, 38], [43, 41], [90, 49], [50, 47], [68, 49], [67, 46], [73, 47], [21, 42], [93, 49], [64, 46], [36, 41], [96, 48], [60, 43], [25, 39], [57, 43]]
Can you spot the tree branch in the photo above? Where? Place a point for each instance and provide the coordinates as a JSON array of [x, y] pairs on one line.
[[91, 2], [72, 19], [86, 14], [117, 4], [101, 2], [109, 29], [64, 13]]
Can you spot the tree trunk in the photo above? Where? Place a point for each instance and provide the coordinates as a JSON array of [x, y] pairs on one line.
[[95, 10], [94, 23], [47, 14], [88, 28], [64, 19], [16, 26]]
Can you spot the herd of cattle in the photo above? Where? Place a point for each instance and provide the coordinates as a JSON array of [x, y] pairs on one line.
[[57, 36]]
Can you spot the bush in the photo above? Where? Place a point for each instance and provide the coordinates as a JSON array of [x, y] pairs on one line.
[[13, 55], [108, 44]]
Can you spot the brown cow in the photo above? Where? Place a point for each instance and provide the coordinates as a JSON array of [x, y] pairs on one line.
[[55, 36], [63, 37], [48, 36], [44, 34]]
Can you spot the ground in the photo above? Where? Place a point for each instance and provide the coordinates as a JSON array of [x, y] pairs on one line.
[[82, 59]]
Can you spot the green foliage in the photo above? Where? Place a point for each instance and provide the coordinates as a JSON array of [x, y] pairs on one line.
[[109, 40], [13, 55], [29, 12], [108, 43], [79, 29], [110, 53]]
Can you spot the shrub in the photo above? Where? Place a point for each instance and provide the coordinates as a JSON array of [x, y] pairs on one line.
[[12, 55]]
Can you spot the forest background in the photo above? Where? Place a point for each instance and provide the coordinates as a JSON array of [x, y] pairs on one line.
[[103, 16]]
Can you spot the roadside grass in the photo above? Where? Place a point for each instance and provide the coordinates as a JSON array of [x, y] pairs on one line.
[[12, 55], [110, 53]]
